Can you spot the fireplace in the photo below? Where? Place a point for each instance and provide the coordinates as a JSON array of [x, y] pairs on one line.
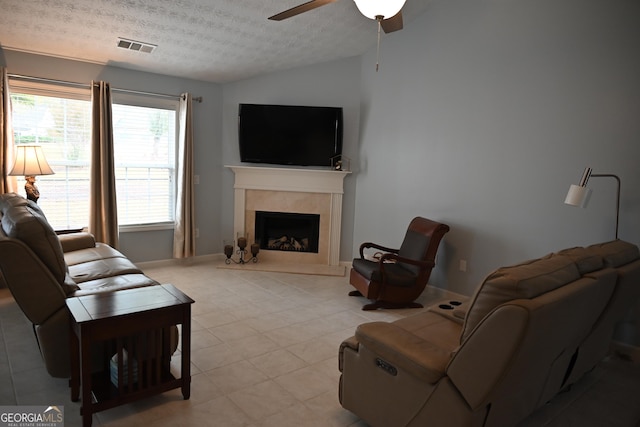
[[315, 192], [285, 231]]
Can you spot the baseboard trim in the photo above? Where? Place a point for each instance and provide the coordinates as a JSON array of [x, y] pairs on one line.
[[218, 261], [200, 259]]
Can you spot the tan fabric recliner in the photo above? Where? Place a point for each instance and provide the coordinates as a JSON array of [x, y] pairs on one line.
[[529, 331]]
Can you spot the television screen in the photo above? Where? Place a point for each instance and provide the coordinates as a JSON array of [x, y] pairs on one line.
[[289, 135]]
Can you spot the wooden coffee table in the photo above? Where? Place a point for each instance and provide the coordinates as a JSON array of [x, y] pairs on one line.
[[134, 326]]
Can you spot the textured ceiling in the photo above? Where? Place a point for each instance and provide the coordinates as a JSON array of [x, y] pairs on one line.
[[217, 41]]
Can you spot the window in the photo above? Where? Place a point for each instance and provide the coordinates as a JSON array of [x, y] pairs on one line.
[[62, 126], [59, 119], [145, 154]]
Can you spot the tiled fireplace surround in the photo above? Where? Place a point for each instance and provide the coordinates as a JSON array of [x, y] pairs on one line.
[[310, 191]]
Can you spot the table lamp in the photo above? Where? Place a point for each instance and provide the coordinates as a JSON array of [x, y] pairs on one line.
[[30, 162]]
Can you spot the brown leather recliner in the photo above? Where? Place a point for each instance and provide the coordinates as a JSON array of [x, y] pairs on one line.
[[42, 270], [399, 276]]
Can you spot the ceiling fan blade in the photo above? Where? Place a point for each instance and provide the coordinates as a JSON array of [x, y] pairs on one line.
[[392, 24], [305, 7]]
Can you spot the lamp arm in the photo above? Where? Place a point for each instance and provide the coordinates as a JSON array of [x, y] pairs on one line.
[[617, 178], [585, 176]]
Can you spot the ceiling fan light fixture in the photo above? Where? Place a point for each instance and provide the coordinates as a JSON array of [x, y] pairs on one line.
[[372, 9]]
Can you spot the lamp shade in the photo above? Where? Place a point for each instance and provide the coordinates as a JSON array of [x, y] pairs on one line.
[[374, 8], [30, 161], [578, 196]]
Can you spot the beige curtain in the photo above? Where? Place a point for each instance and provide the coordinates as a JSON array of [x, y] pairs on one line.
[[184, 235], [103, 210], [7, 183]]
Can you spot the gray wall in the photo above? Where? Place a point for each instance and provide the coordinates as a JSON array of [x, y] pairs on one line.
[[482, 114]]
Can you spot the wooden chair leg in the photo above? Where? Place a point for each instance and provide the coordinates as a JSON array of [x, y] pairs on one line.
[[372, 306], [414, 305]]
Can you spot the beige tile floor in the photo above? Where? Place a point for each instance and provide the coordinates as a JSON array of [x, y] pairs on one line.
[[264, 353]]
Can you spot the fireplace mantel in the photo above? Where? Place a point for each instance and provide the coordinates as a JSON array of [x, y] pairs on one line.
[[291, 183], [285, 179]]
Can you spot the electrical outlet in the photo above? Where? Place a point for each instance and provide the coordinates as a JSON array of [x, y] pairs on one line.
[[196, 179], [463, 265], [197, 233]]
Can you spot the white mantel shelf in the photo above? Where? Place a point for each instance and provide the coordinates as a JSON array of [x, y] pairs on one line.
[[289, 179], [324, 181]]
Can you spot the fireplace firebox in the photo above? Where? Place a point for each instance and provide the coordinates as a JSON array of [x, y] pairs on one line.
[[284, 231]]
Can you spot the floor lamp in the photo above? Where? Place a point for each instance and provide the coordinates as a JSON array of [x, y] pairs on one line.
[[579, 195], [30, 162]]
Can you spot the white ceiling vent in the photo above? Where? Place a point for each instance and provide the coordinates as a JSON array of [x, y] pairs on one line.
[[137, 46]]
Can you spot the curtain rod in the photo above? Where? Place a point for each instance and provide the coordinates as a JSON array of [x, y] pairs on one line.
[[87, 85]]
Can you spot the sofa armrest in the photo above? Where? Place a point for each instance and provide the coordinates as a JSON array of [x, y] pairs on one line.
[[76, 241], [370, 245], [404, 350], [452, 309], [351, 343]]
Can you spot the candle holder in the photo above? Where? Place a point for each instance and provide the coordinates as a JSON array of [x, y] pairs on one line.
[[241, 251]]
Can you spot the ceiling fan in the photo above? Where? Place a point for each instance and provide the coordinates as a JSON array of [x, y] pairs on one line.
[[386, 12]]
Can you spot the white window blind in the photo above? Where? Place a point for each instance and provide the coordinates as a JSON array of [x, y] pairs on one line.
[[144, 144], [62, 126]]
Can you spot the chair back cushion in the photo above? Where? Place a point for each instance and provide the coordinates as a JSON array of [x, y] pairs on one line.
[[587, 260], [27, 223], [8, 200], [616, 253], [414, 246], [526, 280]]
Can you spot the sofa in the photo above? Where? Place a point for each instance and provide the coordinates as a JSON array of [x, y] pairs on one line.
[[529, 331], [42, 268]]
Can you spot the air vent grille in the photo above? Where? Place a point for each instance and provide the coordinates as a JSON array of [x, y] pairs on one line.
[[135, 45]]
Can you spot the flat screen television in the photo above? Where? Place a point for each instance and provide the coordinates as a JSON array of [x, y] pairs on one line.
[[289, 134]]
